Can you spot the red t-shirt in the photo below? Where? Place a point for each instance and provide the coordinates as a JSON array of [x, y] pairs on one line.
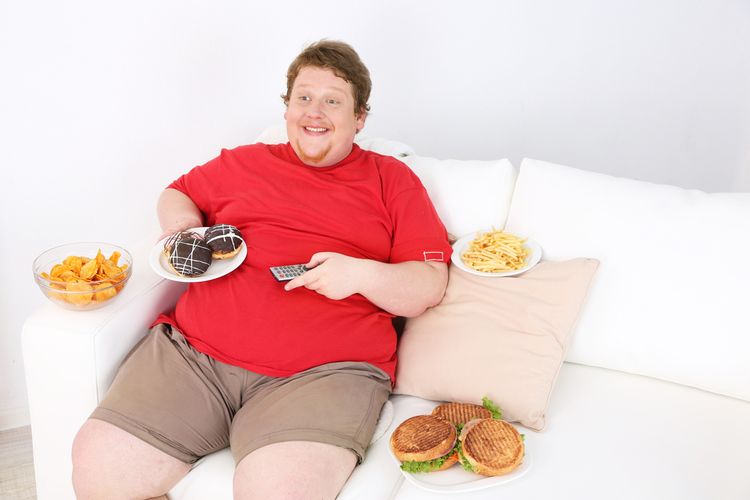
[[367, 206]]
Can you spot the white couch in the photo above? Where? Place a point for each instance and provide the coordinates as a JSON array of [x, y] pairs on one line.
[[652, 401]]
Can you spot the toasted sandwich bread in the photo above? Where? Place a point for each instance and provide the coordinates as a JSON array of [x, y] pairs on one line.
[[425, 444], [460, 413], [491, 447]]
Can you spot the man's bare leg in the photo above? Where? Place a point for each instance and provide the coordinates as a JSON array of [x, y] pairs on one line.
[[113, 464], [293, 470]]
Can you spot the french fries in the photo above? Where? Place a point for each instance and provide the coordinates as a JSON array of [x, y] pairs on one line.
[[495, 252]]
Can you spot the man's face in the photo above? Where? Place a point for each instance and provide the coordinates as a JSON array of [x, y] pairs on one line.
[[320, 118]]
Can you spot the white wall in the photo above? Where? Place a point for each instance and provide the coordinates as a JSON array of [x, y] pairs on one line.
[[103, 103]]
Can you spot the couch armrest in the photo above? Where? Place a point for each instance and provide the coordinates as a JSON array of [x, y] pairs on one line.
[[70, 359]]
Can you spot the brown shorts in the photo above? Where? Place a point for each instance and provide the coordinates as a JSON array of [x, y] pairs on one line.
[[188, 404]]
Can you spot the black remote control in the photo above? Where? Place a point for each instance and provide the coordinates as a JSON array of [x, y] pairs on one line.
[[287, 273]]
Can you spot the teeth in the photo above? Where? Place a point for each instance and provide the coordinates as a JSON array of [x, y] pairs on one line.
[[315, 129]]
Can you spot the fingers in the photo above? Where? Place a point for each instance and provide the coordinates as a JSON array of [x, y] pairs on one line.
[[169, 233], [305, 280], [318, 259], [296, 282], [314, 278], [309, 277], [179, 225], [164, 235]]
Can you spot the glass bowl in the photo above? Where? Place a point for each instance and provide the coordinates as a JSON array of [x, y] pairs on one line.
[[83, 276]]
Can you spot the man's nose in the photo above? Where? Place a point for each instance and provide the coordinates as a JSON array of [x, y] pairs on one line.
[[314, 110]]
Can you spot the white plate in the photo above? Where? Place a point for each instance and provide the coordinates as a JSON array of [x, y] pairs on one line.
[[217, 269], [462, 244], [458, 480]]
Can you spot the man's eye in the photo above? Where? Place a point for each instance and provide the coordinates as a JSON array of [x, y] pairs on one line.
[[303, 98], [332, 101]]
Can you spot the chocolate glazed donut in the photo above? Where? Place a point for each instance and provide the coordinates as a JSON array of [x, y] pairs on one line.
[[187, 254], [224, 240]]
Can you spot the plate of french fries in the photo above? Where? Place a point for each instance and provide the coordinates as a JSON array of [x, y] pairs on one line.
[[495, 253]]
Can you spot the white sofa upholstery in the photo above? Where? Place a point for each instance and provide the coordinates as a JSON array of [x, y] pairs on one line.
[[629, 419]]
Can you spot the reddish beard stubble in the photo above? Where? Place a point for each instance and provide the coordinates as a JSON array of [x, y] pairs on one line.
[[311, 160]]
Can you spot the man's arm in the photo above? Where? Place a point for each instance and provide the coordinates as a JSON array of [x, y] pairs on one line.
[[402, 289], [177, 212]]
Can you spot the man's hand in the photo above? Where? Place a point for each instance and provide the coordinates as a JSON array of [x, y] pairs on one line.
[[333, 275], [179, 226], [402, 289], [177, 212]]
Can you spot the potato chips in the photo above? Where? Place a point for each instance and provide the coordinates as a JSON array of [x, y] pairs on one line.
[[495, 252], [83, 281]]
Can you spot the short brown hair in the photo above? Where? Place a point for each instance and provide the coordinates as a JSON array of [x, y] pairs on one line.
[[340, 58]]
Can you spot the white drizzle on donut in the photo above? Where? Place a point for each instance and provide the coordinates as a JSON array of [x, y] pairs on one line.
[[188, 254], [224, 232]]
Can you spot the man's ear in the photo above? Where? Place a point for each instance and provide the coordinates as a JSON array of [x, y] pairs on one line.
[[361, 118]]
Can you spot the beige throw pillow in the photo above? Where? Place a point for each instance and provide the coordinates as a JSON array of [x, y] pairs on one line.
[[504, 338]]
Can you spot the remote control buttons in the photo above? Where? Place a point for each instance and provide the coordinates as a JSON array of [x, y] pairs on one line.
[[288, 272]]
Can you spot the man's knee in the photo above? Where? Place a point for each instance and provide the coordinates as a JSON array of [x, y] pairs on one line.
[[85, 460], [110, 463], [293, 470]]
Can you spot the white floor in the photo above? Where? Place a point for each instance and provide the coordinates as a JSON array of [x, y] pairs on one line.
[[16, 465]]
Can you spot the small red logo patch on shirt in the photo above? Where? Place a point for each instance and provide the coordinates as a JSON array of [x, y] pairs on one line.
[[433, 256]]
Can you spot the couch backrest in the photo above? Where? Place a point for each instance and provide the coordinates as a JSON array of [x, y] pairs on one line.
[[469, 195], [672, 293]]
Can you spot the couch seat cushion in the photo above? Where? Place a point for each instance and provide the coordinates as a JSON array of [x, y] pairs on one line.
[[620, 436], [611, 435]]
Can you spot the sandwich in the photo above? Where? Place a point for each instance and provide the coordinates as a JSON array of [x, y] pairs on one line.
[[490, 447], [460, 413], [425, 443]]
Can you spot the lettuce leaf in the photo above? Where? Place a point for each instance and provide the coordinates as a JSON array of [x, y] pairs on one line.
[[497, 413], [425, 466], [464, 462]]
